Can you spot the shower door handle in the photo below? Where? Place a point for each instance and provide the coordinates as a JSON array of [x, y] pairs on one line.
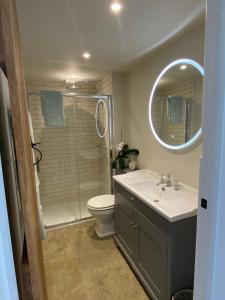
[[96, 118]]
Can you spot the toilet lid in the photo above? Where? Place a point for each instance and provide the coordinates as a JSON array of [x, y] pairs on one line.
[[101, 202]]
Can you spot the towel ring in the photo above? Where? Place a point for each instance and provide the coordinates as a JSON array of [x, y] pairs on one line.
[[33, 145], [96, 118]]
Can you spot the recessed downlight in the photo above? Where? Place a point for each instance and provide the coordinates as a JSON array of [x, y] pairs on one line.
[[183, 67], [116, 7], [86, 55]]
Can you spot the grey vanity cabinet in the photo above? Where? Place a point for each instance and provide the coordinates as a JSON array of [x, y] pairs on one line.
[[151, 255], [161, 253], [125, 226]]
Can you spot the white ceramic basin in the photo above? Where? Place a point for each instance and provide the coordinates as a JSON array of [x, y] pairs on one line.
[[148, 188], [173, 205]]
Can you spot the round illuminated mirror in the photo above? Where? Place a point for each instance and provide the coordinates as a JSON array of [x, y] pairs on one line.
[[175, 105]]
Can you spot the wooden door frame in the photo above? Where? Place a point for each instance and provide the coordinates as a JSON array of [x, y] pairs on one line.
[[10, 56]]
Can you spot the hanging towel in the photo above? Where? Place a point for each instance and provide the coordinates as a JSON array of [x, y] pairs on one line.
[[52, 108], [175, 104]]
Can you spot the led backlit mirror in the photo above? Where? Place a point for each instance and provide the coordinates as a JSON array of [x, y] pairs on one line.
[[175, 106]]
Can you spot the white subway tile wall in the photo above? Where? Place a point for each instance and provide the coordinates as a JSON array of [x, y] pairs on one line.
[[105, 84], [105, 88], [75, 164]]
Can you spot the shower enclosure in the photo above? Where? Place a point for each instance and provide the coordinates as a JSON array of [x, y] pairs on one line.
[[75, 165]]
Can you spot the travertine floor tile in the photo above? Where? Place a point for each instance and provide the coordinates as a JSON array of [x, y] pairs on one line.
[[80, 266]]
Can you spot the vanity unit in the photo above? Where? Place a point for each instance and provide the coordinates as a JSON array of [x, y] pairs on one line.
[[158, 242], [155, 223]]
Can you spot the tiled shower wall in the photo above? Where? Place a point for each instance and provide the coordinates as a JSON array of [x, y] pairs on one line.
[[105, 84], [188, 89], [74, 157], [105, 88]]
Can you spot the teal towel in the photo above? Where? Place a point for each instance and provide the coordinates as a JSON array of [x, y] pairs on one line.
[[52, 108], [175, 109]]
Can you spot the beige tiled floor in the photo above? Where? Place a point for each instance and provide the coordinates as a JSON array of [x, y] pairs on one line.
[[80, 266]]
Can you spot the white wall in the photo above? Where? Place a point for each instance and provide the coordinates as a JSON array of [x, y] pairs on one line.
[[185, 167]]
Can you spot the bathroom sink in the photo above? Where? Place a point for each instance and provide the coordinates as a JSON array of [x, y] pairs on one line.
[[170, 203], [148, 188], [176, 205], [165, 197]]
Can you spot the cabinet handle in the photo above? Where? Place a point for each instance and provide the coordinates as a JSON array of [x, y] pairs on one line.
[[135, 226], [131, 223]]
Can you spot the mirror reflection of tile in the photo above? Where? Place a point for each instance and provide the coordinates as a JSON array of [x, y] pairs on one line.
[[177, 111]]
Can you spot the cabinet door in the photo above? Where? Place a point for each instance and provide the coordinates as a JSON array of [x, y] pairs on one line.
[[152, 255], [125, 226]]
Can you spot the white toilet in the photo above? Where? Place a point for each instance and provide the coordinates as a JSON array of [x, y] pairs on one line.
[[103, 208]]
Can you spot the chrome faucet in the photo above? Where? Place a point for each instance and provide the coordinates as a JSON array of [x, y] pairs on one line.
[[169, 180], [162, 180]]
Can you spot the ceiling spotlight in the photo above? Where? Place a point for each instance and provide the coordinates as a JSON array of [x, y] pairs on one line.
[[183, 67], [73, 85], [86, 55], [116, 7]]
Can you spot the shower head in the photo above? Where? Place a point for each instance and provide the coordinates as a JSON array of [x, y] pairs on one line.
[[82, 85]]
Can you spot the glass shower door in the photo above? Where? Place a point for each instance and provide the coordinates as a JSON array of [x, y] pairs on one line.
[[76, 156], [93, 149]]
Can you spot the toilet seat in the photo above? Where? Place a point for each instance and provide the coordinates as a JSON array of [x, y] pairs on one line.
[[102, 202]]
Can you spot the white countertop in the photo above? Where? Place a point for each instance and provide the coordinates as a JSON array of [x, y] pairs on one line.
[[171, 204]]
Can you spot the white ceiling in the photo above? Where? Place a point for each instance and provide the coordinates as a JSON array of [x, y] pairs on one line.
[[55, 33]]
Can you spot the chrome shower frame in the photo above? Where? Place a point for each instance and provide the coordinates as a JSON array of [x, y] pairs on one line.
[[110, 119]]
